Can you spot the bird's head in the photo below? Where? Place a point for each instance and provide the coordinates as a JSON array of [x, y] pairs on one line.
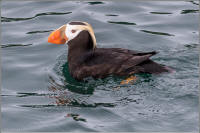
[[70, 31]]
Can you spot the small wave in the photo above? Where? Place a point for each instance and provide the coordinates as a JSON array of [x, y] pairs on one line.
[[94, 105], [194, 2], [191, 46], [189, 11], [157, 33], [20, 94], [35, 32], [114, 15], [6, 19], [76, 117], [124, 23], [95, 3], [14, 45], [160, 13], [38, 106]]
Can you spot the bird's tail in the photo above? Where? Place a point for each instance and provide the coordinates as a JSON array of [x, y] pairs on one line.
[[150, 66]]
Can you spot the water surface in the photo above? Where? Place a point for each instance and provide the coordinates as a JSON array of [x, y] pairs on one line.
[[38, 94]]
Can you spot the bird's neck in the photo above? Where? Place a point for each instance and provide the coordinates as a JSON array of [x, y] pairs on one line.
[[79, 47]]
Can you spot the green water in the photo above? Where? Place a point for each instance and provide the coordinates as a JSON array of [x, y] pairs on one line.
[[38, 93]]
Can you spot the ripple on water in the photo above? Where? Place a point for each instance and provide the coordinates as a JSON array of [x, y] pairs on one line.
[[125, 23], [14, 45], [6, 19], [189, 11], [157, 33], [160, 13]]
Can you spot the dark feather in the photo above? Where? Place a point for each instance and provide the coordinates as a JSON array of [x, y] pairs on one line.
[[101, 62]]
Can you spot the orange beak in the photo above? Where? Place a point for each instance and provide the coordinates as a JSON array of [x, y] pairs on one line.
[[58, 36]]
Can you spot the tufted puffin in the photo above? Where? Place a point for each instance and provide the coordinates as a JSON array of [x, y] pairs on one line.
[[86, 60]]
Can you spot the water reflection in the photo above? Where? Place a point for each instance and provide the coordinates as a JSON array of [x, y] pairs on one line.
[[66, 98], [74, 86], [76, 117], [73, 93]]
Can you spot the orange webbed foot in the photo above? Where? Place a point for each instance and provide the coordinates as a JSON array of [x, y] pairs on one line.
[[130, 79]]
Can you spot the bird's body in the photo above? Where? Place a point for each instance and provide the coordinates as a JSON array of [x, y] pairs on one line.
[[86, 60]]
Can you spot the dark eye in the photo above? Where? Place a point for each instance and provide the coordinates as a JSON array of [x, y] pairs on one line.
[[73, 31]]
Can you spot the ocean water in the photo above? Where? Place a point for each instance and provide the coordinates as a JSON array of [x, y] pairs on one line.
[[38, 94]]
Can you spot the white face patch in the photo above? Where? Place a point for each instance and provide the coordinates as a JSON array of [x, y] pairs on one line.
[[72, 31]]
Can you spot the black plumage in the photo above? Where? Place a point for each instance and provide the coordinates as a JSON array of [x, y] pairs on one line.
[[84, 61]]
